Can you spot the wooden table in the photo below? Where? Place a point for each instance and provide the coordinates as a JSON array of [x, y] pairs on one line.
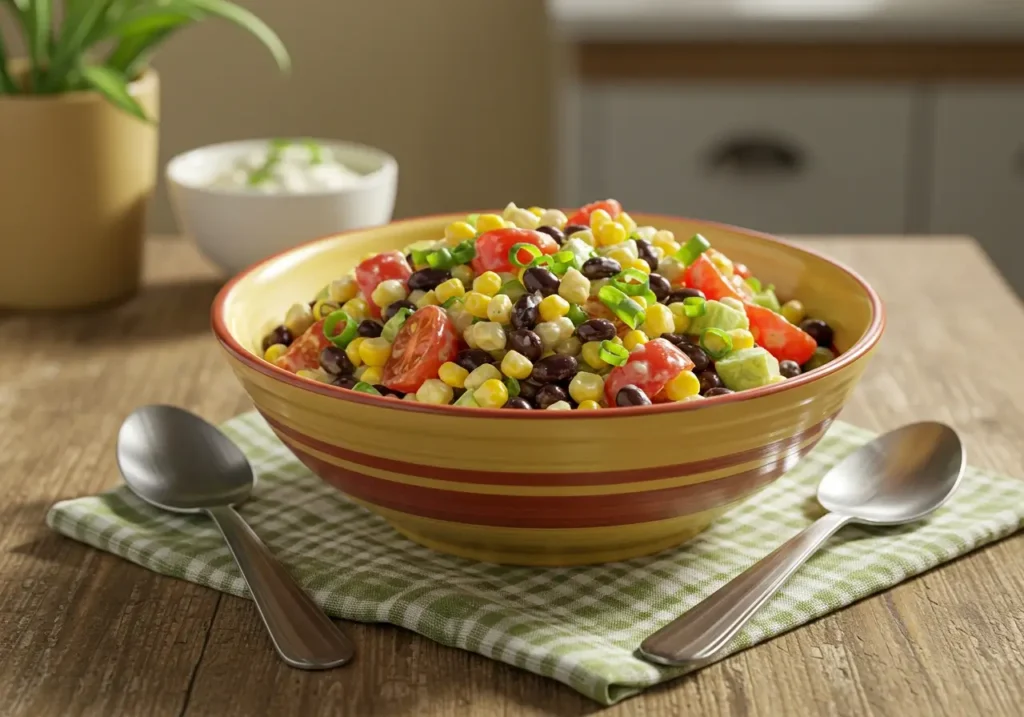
[[86, 633]]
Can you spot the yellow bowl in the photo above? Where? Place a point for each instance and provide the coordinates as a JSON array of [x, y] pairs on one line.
[[548, 487]]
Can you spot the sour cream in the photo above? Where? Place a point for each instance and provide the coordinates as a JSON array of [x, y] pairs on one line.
[[287, 167]]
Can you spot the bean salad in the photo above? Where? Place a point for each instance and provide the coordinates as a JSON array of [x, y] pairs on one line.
[[532, 309]]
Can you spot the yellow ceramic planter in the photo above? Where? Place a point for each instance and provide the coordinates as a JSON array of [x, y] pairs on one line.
[[76, 176], [548, 487]]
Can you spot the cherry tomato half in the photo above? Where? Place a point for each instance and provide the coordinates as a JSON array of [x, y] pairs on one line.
[[304, 351], [649, 368], [782, 339], [741, 271], [704, 275], [582, 215], [378, 268], [426, 340], [492, 248]]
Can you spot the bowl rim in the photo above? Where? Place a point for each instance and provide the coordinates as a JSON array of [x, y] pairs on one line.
[[860, 349], [382, 175]]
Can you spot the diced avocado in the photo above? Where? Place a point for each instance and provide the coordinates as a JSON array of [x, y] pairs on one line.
[[467, 399], [747, 368], [768, 300], [718, 316], [580, 249]]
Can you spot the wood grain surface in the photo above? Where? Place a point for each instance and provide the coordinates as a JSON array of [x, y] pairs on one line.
[[85, 633]]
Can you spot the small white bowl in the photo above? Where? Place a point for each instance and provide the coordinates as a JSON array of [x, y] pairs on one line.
[[235, 228]]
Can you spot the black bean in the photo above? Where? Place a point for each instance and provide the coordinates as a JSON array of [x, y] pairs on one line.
[[472, 359], [346, 381], [699, 357], [789, 368], [631, 396], [427, 279], [369, 328], [553, 232], [280, 335], [709, 380], [646, 252], [408, 258], [600, 267], [394, 306], [525, 313], [819, 331], [680, 295], [571, 229], [554, 368], [518, 402], [661, 287], [335, 361], [538, 278], [527, 343], [596, 330], [720, 391], [385, 391], [549, 394], [677, 339], [528, 388]]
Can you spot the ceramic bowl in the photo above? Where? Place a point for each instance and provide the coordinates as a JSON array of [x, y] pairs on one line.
[[548, 487], [235, 228]]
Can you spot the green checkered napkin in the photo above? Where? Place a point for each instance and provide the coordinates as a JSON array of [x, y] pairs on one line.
[[577, 625]]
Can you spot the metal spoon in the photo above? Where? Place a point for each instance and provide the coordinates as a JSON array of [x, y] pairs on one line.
[[175, 460], [897, 478]]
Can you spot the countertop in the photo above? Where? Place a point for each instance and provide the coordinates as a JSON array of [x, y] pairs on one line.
[[790, 20], [85, 633]]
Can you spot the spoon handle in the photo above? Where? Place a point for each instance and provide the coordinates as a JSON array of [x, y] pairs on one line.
[[706, 629], [303, 635]]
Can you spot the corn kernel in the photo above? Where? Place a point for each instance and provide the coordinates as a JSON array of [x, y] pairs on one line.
[[660, 320], [352, 350], [622, 256], [679, 317], [476, 304], [447, 289], [463, 273], [453, 374], [341, 290], [489, 335], [741, 339], [484, 372], [566, 328], [793, 311], [599, 217], [733, 303], [469, 335], [298, 319], [610, 233], [314, 374], [550, 334], [357, 308], [584, 235], [372, 374], [666, 240], [586, 387], [657, 252], [684, 385], [553, 218], [522, 218], [588, 406], [646, 233], [633, 339], [537, 211], [640, 300], [274, 352], [499, 309], [627, 222], [560, 405], [591, 353], [516, 365], [671, 268], [415, 296], [388, 292], [435, 391], [574, 287], [375, 351], [552, 307], [461, 320], [489, 222], [324, 308], [458, 232], [492, 393], [410, 397], [498, 355], [569, 347], [640, 265], [723, 262]]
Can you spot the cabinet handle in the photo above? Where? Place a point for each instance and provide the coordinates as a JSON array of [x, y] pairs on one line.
[[757, 157]]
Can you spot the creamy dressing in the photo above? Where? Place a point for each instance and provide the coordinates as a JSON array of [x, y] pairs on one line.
[[287, 167]]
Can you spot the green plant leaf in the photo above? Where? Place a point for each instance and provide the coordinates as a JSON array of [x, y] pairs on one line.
[[37, 18], [7, 86], [82, 26], [113, 85], [244, 19], [132, 52], [145, 23]]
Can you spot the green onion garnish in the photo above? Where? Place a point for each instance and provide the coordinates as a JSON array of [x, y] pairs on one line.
[[613, 353], [343, 339], [754, 284], [471, 220], [513, 254], [546, 261], [395, 323], [512, 385], [464, 253], [716, 342], [513, 289], [440, 259], [638, 287], [628, 311], [692, 249], [449, 303], [694, 306], [577, 315], [364, 387], [419, 257]]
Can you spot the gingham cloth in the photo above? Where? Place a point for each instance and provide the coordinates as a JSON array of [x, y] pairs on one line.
[[580, 626]]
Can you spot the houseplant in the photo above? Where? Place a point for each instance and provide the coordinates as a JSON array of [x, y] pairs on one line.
[[78, 142]]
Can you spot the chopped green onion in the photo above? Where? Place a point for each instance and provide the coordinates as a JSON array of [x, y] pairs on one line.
[[449, 303], [754, 284], [343, 339], [716, 342], [546, 261], [395, 324], [692, 249], [440, 259], [513, 254], [512, 385], [467, 399], [364, 387], [316, 155], [419, 257], [465, 252], [513, 289], [628, 311], [613, 353], [577, 315], [471, 220], [640, 287], [694, 306]]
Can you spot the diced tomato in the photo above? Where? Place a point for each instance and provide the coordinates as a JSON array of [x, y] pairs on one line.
[[649, 368], [704, 275], [741, 271], [378, 268], [304, 351], [492, 248], [426, 340], [582, 215], [782, 339]]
